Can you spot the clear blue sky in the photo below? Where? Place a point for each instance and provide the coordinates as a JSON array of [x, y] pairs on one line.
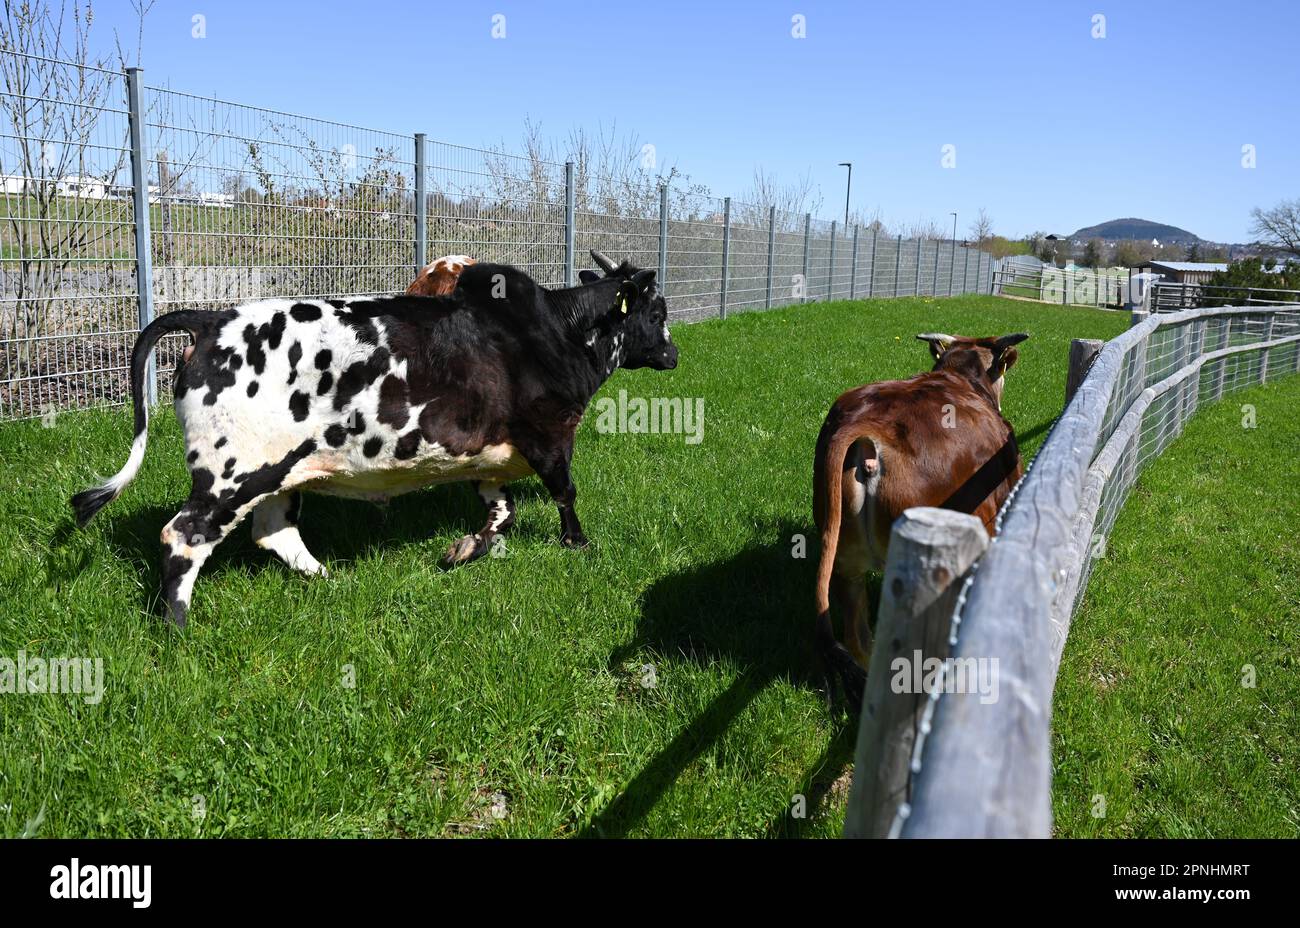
[[1053, 129]]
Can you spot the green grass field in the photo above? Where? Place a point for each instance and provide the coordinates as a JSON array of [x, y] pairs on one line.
[[511, 697], [1201, 581]]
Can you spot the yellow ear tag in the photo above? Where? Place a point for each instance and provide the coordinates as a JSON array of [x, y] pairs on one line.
[[623, 305]]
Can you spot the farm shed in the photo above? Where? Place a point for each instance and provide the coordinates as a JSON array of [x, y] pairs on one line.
[[1183, 272]]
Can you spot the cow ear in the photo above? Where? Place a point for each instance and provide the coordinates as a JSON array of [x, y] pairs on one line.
[[626, 297], [588, 277], [1005, 354], [938, 342]]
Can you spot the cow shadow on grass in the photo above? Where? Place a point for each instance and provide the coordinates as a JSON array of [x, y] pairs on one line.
[[336, 530], [752, 610]]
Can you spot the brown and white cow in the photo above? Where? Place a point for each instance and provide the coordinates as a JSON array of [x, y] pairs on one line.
[[936, 439], [439, 278], [373, 398]]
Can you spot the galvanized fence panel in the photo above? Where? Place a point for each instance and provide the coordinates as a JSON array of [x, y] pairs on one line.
[[819, 251], [747, 258], [68, 306], [907, 267], [694, 256], [617, 216], [254, 203], [502, 208], [787, 271], [883, 278], [842, 271]]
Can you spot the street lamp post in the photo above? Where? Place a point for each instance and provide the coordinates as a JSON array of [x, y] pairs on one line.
[[847, 187], [952, 261]]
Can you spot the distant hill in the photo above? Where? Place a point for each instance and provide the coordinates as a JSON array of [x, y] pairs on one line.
[[1141, 229]]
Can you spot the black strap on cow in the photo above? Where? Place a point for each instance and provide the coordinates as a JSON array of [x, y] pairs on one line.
[[984, 481]]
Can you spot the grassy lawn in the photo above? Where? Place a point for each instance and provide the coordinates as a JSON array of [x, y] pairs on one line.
[[1201, 580], [659, 683]]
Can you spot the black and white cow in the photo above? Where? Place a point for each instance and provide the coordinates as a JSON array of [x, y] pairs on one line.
[[373, 398]]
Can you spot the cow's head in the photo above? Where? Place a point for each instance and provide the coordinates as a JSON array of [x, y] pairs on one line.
[[987, 358], [638, 318]]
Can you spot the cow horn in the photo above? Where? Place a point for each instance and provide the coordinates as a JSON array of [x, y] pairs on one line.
[[943, 340], [606, 265]]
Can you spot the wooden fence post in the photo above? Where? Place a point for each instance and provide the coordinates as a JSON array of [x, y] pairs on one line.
[[1082, 353], [930, 552]]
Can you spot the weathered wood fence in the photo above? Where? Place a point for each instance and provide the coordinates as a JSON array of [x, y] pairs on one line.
[[958, 760]]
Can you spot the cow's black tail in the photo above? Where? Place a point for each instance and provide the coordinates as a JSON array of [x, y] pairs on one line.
[[88, 502]]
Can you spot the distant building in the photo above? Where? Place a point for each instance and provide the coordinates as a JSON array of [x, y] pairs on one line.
[[1183, 272]]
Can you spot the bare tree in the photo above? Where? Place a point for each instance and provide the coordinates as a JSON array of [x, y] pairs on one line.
[[792, 199], [925, 229], [61, 163], [871, 221], [1278, 227], [981, 229]]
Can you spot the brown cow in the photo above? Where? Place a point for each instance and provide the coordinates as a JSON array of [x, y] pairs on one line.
[[937, 439], [439, 278]]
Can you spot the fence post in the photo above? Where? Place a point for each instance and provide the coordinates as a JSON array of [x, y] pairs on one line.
[[930, 552], [421, 204], [568, 223], [898, 261], [1263, 355], [663, 239], [143, 240], [871, 281], [853, 269], [771, 251], [807, 243], [830, 269], [916, 289], [1083, 351], [952, 265], [965, 272], [934, 288], [726, 254]]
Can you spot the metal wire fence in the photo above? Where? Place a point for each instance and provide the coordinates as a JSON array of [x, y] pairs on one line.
[[984, 768], [68, 300], [1074, 287], [123, 200]]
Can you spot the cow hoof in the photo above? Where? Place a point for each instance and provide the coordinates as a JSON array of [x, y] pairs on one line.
[[463, 550], [178, 615], [574, 541]]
